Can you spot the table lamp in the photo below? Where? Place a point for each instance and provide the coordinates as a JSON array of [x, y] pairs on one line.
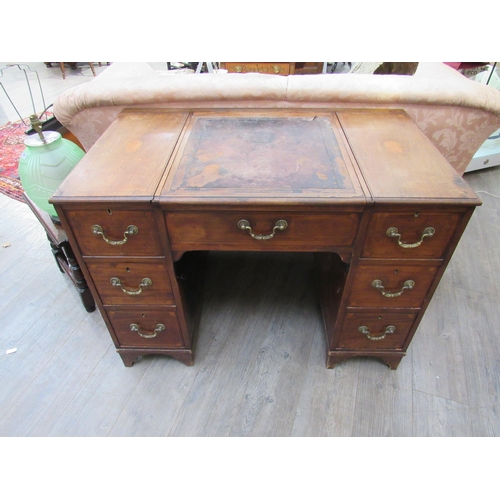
[[45, 162]]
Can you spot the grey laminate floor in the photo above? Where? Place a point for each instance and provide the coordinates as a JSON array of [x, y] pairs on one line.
[[260, 351], [259, 368]]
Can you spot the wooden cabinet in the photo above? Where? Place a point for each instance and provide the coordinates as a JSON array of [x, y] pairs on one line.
[[274, 68], [364, 190]]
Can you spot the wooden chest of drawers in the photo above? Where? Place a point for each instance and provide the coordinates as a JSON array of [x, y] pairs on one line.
[[274, 68], [364, 190]]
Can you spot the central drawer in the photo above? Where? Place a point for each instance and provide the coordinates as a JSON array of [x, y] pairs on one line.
[[261, 230]]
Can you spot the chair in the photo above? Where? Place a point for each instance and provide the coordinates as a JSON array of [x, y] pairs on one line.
[[63, 254], [72, 66]]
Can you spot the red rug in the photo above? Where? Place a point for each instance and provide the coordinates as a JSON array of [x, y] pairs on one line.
[[12, 145]]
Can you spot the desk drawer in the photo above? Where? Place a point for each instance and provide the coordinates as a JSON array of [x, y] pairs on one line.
[[154, 328], [367, 331], [299, 231], [415, 234], [128, 232], [391, 286], [133, 283]]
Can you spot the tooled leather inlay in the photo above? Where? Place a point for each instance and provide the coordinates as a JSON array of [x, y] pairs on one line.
[[258, 153]]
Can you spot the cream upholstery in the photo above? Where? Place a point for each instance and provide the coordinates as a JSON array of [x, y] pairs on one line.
[[457, 114]]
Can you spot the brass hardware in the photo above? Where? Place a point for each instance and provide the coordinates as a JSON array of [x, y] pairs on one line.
[[244, 225], [131, 230], [144, 283], [392, 232], [159, 328], [408, 285], [239, 69], [365, 331], [36, 125]]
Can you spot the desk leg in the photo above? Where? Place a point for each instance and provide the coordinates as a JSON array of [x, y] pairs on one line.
[[392, 360], [130, 356]]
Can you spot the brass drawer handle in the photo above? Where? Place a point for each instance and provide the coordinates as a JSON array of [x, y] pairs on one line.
[[408, 285], [131, 230], [244, 225], [159, 328], [277, 69], [144, 283], [392, 232], [365, 331]]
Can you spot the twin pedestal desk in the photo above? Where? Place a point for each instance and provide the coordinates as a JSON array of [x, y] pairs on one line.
[[364, 190]]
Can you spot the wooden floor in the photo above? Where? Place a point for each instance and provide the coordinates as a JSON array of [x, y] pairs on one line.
[[260, 351]]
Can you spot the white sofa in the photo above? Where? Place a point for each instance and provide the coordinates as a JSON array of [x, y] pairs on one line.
[[457, 114]]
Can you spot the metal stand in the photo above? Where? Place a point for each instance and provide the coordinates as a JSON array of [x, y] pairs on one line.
[[45, 107], [210, 68]]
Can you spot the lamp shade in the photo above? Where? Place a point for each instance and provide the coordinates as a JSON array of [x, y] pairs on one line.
[[44, 164]]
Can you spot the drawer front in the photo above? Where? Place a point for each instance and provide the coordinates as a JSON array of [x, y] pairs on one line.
[[410, 235], [391, 285], [158, 328], [115, 232], [270, 68], [121, 283], [367, 331], [261, 230]]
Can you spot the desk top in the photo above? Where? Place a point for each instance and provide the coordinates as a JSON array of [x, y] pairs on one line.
[[296, 157], [262, 156]]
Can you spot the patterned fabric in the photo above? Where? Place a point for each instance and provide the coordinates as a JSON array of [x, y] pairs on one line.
[[12, 136], [456, 114]]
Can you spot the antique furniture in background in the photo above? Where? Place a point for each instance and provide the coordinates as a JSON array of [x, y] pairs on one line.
[[274, 68], [364, 190], [72, 65]]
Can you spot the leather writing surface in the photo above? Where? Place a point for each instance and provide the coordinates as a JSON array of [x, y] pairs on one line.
[[296, 155], [280, 153]]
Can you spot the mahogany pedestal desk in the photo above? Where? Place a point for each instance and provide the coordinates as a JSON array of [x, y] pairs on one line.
[[364, 190]]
